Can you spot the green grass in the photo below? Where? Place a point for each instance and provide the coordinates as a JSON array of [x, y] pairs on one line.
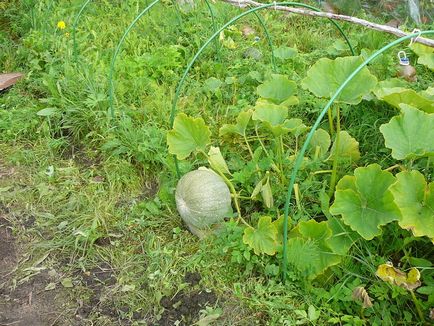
[[101, 191]]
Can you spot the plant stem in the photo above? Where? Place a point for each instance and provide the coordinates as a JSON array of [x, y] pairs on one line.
[[417, 305], [248, 146], [330, 116], [260, 141], [297, 195], [336, 154]]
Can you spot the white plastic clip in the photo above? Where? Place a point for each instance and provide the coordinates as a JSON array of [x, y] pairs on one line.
[[403, 60], [413, 39]]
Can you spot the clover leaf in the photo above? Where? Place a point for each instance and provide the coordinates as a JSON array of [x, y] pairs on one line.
[[365, 202]]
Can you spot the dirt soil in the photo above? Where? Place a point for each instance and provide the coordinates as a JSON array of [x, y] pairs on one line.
[[27, 303], [185, 306], [37, 297]]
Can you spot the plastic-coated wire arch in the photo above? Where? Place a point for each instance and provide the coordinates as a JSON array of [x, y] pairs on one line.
[[229, 23], [270, 42], [214, 27], [118, 49], [121, 41], [300, 155]]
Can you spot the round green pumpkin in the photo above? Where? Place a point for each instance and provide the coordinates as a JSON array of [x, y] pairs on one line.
[[202, 199]]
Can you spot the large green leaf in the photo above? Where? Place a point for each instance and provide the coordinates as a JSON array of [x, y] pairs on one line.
[[285, 52], [342, 238], [238, 128], [271, 113], [410, 135], [425, 53], [273, 117], [348, 148], [365, 202], [314, 236], [415, 199], [396, 96], [278, 89], [188, 135], [263, 239], [326, 75]]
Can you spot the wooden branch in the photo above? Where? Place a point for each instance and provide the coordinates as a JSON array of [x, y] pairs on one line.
[[350, 19]]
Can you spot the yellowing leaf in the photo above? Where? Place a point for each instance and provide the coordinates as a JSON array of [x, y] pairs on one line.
[[392, 275]]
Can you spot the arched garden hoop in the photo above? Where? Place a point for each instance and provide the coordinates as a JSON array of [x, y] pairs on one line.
[[213, 38], [229, 23], [300, 155]]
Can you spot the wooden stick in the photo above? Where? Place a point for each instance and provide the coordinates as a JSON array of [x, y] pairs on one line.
[[350, 19]]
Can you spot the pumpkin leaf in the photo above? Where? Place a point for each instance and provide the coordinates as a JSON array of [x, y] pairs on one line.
[[295, 126], [320, 143], [267, 112], [342, 236], [318, 233], [425, 53], [188, 135], [393, 275], [212, 84], [415, 199], [273, 117], [409, 135], [264, 188], [396, 96], [238, 128], [216, 160], [278, 89], [348, 148], [285, 52], [326, 76], [365, 202], [263, 239]]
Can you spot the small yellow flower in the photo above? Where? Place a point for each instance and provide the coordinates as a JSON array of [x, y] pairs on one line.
[[61, 25], [67, 35]]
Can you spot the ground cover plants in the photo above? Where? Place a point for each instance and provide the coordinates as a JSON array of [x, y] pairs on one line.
[[89, 231]]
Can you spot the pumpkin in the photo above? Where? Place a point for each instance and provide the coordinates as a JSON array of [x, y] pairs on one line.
[[202, 199]]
